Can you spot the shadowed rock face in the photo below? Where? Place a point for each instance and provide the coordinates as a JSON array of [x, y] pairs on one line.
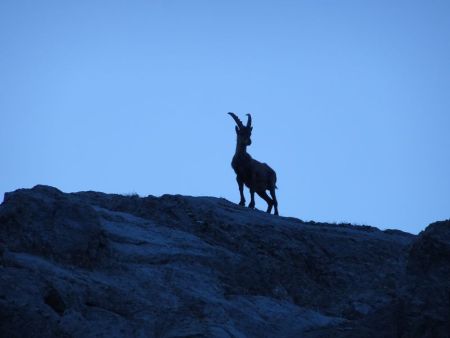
[[91, 264]]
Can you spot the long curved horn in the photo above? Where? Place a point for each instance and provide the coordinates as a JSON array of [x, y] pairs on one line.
[[235, 118], [249, 120]]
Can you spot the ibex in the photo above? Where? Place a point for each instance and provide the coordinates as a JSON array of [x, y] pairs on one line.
[[257, 176]]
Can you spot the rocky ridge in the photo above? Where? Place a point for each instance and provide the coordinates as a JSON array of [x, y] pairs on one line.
[[90, 264]]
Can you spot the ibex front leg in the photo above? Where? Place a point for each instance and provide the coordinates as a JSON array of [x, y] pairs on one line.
[[241, 191]]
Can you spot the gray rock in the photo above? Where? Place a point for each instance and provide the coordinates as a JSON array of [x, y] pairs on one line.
[[90, 264]]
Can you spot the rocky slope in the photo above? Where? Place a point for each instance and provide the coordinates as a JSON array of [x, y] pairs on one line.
[[90, 264]]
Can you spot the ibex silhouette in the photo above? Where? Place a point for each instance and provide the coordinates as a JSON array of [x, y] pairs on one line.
[[257, 176]]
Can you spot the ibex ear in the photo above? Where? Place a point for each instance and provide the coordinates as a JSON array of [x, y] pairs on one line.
[[237, 129]]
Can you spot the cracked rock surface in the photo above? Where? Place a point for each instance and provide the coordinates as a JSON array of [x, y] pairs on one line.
[[90, 264]]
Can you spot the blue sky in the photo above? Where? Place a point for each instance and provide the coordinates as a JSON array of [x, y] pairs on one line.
[[350, 101]]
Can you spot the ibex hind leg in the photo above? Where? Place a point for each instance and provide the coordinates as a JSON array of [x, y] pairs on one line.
[[266, 198], [251, 205], [274, 198]]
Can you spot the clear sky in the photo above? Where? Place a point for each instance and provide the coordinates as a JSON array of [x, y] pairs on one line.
[[350, 101]]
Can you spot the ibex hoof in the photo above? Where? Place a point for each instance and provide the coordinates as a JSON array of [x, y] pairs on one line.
[[242, 203]]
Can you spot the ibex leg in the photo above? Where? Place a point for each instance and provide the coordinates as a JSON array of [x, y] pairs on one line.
[[252, 199], [241, 191], [266, 198], [274, 198]]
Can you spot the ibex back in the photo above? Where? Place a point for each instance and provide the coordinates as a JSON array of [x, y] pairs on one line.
[[257, 176]]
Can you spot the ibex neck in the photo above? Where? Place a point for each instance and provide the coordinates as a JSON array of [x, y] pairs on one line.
[[241, 149]]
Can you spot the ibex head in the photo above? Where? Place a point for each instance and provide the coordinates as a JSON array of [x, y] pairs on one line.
[[243, 132]]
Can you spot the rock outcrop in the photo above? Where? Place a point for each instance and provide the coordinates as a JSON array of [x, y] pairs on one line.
[[90, 264]]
